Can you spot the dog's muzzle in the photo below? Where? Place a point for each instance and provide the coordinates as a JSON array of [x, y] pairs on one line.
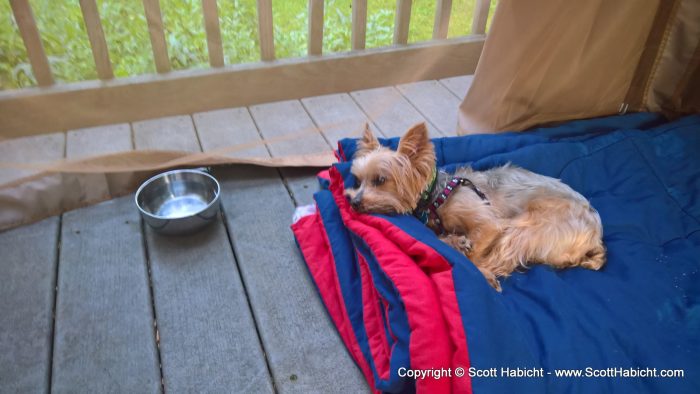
[[356, 201]]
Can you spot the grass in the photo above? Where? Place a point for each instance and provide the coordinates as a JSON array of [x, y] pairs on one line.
[[68, 49]]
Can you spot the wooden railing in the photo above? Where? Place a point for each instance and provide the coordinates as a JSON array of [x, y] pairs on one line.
[[334, 73]]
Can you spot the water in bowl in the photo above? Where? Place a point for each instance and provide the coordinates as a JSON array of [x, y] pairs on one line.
[[182, 206]]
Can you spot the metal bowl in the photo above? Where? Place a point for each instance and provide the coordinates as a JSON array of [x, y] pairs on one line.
[[179, 201]]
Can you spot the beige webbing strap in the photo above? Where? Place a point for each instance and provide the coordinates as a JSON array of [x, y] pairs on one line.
[[656, 40]]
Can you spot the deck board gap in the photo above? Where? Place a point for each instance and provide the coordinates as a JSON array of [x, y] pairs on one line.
[[131, 134], [257, 127], [156, 334], [354, 100], [316, 125], [284, 182], [247, 298], [449, 90], [55, 293], [55, 278], [286, 186], [196, 133]]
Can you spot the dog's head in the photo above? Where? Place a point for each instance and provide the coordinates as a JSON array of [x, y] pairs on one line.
[[391, 181]]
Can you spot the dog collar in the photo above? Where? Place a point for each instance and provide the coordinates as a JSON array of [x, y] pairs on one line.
[[426, 212], [421, 212], [425, 196]]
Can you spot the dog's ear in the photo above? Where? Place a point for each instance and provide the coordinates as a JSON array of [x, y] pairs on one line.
[[415, 143], [368, 142]]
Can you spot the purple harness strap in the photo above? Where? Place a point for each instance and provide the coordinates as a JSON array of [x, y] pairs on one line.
[[442, 197]]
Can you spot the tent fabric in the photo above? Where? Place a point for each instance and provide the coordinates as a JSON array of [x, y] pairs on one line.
[[554, 60], [402, 299]]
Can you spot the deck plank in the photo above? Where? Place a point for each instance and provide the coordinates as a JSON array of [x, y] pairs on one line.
[[170, 133], [96, 141], [301, 183], [35, 149], [390, 111], [236, 125], [208, 339], [26, 306], [304, 350], [102, 277], [227, 127], [288, 118], [435, 102], [28, 269], [101, 140], [459, 86], [337, 116], [104, 338]]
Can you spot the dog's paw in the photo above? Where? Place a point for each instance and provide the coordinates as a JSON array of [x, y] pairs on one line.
[[495, 284], [459, 242], [491, 279]]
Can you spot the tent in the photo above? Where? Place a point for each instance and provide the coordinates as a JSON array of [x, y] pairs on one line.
[[547, 61]]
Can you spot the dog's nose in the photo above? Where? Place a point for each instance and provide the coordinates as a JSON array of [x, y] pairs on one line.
[[356, 201]]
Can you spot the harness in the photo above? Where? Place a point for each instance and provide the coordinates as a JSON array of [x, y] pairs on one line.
[[427, 207]]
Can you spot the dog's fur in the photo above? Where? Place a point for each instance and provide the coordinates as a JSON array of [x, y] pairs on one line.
[[526, 218]]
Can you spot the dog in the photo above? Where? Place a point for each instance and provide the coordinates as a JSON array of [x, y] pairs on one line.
[[502, 219]]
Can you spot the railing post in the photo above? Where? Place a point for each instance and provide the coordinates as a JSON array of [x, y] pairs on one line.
[[443, 8], [481, 15], [211, 26], [402, 21], [96, 35], [155, 30], [266, 30], [359, 24], [32, 41], [315, 27]]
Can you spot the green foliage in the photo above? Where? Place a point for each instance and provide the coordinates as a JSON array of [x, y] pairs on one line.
[[126, 32], [67, 47], [14, 71]]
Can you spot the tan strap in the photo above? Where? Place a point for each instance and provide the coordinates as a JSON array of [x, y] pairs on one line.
[[656, 40]]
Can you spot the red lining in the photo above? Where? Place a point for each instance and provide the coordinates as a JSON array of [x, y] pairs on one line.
[[374, 327], [388, 326], [439, 271], [430, 343], [324, 174]]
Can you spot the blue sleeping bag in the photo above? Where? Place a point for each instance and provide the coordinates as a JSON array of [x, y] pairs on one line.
[[621, 329]]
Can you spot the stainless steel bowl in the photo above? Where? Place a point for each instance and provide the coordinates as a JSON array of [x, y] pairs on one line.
[[179, 201]]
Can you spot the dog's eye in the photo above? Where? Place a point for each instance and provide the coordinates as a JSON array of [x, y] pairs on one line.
[[378, 181]]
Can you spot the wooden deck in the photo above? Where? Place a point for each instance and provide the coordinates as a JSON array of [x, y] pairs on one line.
[[93, 301]]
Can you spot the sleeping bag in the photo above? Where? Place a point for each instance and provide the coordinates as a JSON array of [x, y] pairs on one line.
[[417, 316]]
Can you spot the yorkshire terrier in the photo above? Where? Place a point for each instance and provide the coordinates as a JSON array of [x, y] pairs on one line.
[[501, 219]]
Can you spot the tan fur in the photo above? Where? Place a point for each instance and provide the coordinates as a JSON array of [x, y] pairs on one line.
[[529, 218]]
